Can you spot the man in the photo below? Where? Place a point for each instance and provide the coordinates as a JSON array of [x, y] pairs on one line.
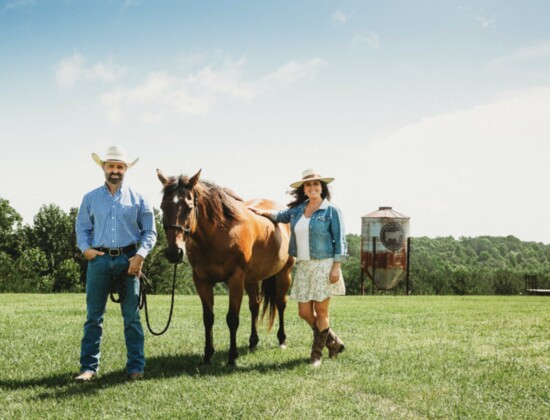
[[115, 230]]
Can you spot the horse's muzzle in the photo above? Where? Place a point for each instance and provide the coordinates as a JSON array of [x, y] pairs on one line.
[[175, 254]]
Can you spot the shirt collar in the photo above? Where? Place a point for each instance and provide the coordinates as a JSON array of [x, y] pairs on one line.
[[324, 205], [117, 192]]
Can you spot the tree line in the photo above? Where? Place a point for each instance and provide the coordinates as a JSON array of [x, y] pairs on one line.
[[483, 265], [44, 258]]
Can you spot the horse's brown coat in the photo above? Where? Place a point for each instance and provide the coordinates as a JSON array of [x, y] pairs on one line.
[[226, 242]]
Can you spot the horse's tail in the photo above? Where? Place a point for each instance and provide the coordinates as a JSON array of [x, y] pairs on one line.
[[269, 296]]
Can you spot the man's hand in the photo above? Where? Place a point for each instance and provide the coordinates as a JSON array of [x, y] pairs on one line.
[[134, 268], [91, 253]]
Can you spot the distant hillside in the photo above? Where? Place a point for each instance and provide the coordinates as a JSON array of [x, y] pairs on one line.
[[480, 265]]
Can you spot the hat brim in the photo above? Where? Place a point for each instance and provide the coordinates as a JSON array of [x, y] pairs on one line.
[[298, 184], [100, 161]]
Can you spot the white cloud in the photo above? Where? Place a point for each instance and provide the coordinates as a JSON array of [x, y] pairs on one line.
[[538, 52], [160, 96], [340, 16], [69, 71], [371, 39], [163, 96], [486, 22], [480, 171], [294, 71], [226, 80], [19, 4]]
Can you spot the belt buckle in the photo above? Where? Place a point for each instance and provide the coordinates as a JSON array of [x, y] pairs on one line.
[[114, 252]]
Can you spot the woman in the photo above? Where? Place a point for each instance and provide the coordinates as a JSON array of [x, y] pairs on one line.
[[318, 243]]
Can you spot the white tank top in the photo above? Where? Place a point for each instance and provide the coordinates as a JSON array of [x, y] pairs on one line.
[[301, 230]]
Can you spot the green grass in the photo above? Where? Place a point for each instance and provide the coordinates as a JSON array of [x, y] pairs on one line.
[[407, 357]]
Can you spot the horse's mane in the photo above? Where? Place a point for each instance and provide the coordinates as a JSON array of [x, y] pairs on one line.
[[219, 204]]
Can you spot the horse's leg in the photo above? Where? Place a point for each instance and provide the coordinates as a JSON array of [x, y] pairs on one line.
[[206, 293], [253, 291], [283, 284], [236, 289]]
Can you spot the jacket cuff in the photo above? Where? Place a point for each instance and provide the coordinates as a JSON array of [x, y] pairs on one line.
[[340, 258]]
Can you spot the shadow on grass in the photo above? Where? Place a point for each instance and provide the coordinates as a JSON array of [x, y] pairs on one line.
[[158, 368]]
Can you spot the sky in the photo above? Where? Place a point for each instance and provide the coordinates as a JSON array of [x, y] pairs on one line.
[[439, 109]]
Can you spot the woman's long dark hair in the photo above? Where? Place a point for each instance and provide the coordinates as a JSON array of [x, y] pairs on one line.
[[300, 196]]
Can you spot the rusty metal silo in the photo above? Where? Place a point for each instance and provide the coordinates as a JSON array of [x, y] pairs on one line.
[[385, 248]]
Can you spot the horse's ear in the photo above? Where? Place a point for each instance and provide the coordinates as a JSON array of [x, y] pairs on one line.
[[162, 177], [194, 179]]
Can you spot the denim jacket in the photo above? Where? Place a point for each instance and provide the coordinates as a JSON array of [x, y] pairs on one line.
[[326, 230]]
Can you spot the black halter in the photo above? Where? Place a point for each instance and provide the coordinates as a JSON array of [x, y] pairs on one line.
[[178, 227], [185, 230]]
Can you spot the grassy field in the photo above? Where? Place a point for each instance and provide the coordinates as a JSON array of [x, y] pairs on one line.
[[407, 357]]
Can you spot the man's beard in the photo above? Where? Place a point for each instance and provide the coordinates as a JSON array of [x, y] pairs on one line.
[[115, 179]]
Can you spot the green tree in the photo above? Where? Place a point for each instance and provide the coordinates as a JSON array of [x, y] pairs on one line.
[[33, 272], [11, 240], [351, 271], [8, 273], [53, 233], [67, 277], [354, 245]]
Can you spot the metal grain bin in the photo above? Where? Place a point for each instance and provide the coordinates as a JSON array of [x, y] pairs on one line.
[[384, 248]]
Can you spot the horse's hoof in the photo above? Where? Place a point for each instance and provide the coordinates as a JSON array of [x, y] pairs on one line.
[[282, 346]]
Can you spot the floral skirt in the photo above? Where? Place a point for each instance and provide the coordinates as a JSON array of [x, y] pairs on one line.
[[312, 281]]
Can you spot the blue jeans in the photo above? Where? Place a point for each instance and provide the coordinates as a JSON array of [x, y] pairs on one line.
[[98, 279]]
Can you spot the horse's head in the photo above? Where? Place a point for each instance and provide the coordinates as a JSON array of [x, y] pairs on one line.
[[179, 202]]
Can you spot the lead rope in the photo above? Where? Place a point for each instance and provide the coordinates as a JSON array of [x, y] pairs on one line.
[[145, 284]]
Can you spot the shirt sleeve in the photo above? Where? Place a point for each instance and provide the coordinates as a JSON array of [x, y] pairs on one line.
[[338, 235], [84, 226], [146, 222]]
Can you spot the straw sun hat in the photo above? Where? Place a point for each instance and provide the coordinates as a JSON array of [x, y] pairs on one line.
[[311, 175], [114, 154]]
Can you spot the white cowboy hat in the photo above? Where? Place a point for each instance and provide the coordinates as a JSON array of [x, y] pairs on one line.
[[114, 154], [311, 175]]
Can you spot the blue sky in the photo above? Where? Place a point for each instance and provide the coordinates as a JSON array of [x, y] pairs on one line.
[[437, 108]]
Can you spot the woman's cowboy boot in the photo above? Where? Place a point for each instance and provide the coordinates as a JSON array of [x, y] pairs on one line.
[[319, 341], [334, 344]]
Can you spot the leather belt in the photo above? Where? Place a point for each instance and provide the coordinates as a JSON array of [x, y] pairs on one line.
[[115, 252]]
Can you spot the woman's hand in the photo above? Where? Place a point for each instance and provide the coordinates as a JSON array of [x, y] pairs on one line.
[[335, 273], [258, 211]]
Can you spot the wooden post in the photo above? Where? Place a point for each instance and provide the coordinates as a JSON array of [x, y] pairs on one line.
[[373, 262], [408, 284]]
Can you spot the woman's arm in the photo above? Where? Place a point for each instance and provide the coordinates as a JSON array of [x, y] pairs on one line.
[[279, 216], [339, 236]]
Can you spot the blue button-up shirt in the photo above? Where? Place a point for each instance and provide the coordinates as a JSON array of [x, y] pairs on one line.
[[115, 220], [326, 230]]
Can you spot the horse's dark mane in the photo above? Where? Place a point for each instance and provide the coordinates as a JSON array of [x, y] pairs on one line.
[[219, 204]]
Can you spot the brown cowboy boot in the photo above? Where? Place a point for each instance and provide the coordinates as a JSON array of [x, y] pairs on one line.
[[319, 341], [334, 344]]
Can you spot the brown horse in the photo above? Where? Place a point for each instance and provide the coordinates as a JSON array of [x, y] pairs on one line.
[[226, 242]]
